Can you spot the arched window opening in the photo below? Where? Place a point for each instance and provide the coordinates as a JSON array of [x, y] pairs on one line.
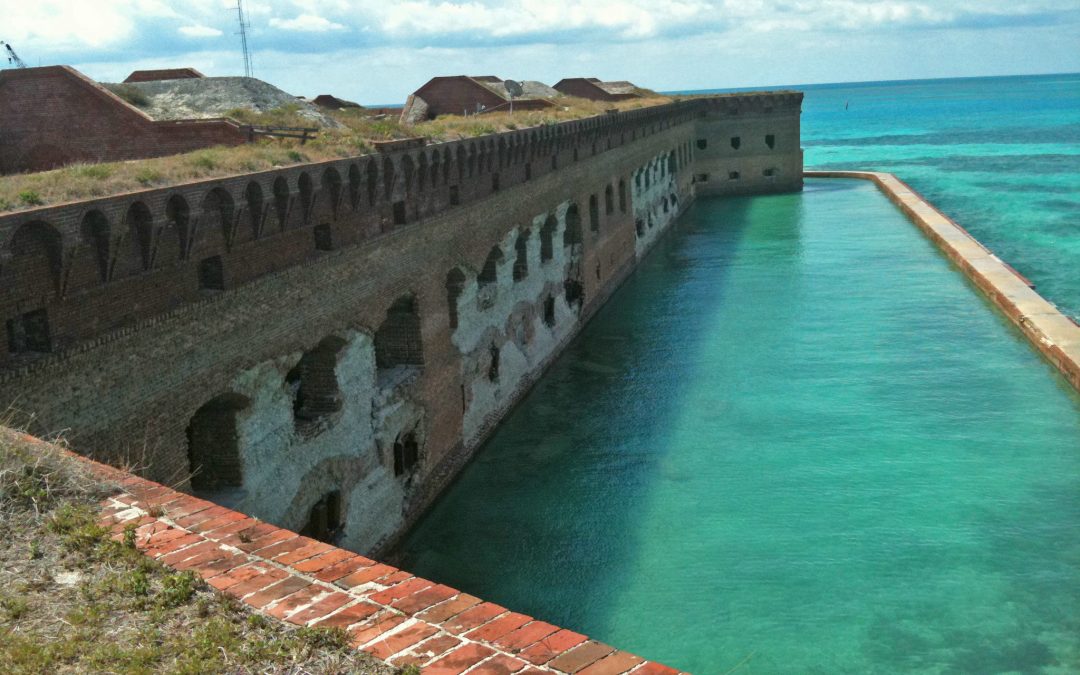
[[324, 521], [313, 386], [324, 237], [547, 238], [639, 227], [331, 188], [253, 194], [493, 364], [140, 225], [29, 332], [398, 340], [388, 178], [490, 272], [421, 172], [217, 216], [609, 200], [770, 140], [408, 172], [575, 293], [179, 216], [572, 234], [702, 143], [307, 196], [281, 201], [211, 274], [435, 168], [736, 141], [471, 166], [672, 163], [461, 161], [406, 454], [622, 196], [95, 236], [521, 258], [455, 285], [549, 311], [664, 204], [214, 443], [594, 214]]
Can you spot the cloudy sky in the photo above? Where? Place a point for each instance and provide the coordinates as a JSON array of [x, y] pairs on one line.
[[377, 51]]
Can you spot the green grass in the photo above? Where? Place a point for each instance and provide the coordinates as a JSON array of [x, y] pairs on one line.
[[354, 137], [72, 600]]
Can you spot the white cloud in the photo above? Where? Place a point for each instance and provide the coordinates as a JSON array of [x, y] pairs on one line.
[[308, 23], [199, 31]]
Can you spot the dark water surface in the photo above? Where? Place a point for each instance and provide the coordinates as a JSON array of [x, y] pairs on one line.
[[795, 440]]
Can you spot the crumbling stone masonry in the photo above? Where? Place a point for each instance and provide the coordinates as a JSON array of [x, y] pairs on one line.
[[323, 346]]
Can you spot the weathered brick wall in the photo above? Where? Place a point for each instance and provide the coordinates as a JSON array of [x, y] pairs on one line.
[[54, 115], [323, 252], [455, 95]]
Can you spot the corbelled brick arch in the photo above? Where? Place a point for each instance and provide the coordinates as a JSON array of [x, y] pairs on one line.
[[306, 188], [175, 240], [330, 199], [256, 207], [141, 237], [94, 260], [282, 196]]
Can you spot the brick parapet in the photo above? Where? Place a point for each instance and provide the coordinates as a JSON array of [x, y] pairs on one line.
[[91, 288], [1052, 333], [395, 616]]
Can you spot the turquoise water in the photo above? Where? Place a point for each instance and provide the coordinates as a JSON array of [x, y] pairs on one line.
[[795, 441], [999, 155]]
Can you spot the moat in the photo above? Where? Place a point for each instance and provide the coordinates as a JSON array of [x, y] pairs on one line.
[[796, 440]]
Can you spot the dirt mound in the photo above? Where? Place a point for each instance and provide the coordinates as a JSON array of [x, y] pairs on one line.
[[198, 98]]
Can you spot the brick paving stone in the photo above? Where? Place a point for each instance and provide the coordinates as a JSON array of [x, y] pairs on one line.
[[209, 570], [201, 517], [401, 590], [526, 635], [384, 648], [311, 550], [235, 576], [495, 629], [613, 664], [435, 647], [188, 550], [312, 565], [321, 608], [290, 603], [348, 616], [273, 536], [581, 656], [187, 506], [280, 547], [471, 618], [393, 578], [343, 568], [500, 664], [459, 660], [214, 523], [417, 602], [236, 525], [249, 535], [653, 668], [365, 575], [203, 556], [151, 537], [532, 670], [450, 608], [280, 589], [256, 583], [374, 627], [551, 646]]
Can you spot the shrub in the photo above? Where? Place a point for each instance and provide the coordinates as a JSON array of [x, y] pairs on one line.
[[31, 198], [131, 94]]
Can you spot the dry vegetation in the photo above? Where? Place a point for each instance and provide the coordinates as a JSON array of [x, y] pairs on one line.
[[86, 181], [73, 601]]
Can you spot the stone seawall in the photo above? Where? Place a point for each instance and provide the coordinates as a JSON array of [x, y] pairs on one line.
[[1052, 333], [323, 346]]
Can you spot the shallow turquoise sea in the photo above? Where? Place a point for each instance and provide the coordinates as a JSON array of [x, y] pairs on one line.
[[1000, 155], [795, 441]]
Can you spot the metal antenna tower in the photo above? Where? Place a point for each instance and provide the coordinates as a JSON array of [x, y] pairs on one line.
[[12, 57], [244, 25]]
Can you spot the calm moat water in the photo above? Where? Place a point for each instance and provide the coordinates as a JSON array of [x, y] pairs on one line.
[[795, 441]]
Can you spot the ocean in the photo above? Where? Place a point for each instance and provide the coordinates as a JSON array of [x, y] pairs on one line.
[[797, 440]]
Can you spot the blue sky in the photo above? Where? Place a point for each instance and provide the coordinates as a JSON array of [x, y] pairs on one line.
[[377, 51]]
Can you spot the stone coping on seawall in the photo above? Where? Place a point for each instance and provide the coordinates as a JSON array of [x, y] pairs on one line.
[[1055, 335], [387, 612]]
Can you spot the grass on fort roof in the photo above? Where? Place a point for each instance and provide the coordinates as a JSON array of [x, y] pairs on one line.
[[73, 601], [88, 181]]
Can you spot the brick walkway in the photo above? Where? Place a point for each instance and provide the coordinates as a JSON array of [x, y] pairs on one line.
[[388, 612]]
